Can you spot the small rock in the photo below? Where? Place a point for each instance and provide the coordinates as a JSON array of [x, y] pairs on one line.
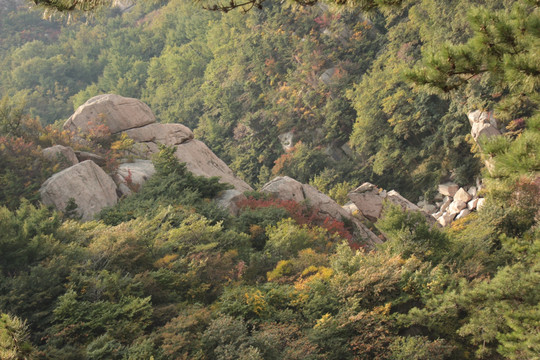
[[483, 124], [286, 140], [472, 191], [471, 205], [463, 213], [456, 206], [350, 207], [133, 175], [167, 134], [369, 201], [445, 219], [60, 154]]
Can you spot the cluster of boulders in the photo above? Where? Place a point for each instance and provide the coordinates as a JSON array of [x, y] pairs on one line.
[[369, 200], [90, 187], [454, 202], [286, 188]]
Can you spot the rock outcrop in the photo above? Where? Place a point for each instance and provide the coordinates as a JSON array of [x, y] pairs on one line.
[[60, 154], [86, 183], [200, 160], [369, 200], [286, 188], [131, 176], [483, 124], [116, 112], [135, 119]]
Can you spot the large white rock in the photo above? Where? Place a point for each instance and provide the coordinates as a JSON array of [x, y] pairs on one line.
[[462, 195], [60, 154], [483, 124], [200, 160], [90, 187], [118, 113], [285, 188], [448, 189], [167, 134], [131, 176], [368, 198]]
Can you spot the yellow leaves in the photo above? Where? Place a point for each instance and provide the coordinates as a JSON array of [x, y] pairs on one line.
[[283, 268], [311, 274], [324, 319], [123, 144], [256, 301], [166, 261]]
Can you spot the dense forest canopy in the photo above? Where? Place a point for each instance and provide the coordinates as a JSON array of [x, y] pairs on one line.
[[381, 96]]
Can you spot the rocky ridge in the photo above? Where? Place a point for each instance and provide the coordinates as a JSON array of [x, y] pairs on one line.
[[92, 189]]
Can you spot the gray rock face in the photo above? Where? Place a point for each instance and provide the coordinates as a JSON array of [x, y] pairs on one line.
[[60, 154], [229, 199], [131, 176], [483, 124], [115, 111], [200, 160], [167, 134], [286, 188], [90, 187], [369, 200], [286, 140]]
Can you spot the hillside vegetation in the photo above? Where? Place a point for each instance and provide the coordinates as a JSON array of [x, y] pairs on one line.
[[380, 97]]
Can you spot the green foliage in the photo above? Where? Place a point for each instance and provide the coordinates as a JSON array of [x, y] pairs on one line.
[[14, 342], [409, 234], [172, 185], [167, 275]]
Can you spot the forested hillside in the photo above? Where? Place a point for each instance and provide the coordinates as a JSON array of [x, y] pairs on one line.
[[327, 94]]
